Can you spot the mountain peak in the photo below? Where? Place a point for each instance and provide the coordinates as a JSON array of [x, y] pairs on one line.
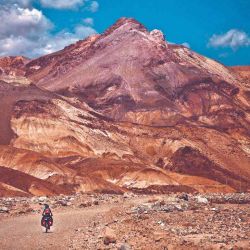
[[130, 20], [124, 111], [157, 34], [126, 24]]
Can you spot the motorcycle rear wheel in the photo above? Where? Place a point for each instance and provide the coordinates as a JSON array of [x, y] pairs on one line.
[[47, 227]]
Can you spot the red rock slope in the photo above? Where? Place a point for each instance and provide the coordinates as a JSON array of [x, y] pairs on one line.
[[125, 110]]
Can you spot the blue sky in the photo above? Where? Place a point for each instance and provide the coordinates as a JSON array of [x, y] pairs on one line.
[[217, 29]]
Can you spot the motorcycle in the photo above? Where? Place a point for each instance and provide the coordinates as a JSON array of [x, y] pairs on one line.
[[47, 222]]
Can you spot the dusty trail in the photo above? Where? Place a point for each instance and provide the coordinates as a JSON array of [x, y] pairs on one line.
[[20, 232], [141, 222], [25, 232]]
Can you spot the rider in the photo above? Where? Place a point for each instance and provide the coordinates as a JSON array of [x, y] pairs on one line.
[[47, 212]]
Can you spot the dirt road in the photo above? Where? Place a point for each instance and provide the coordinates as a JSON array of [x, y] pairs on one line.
[[141, 222], [26, 233]]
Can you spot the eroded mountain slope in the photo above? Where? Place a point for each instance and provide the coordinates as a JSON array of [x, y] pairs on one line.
[[131, 74], [123, 111]]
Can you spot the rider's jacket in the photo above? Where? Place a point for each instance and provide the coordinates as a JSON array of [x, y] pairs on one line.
[[47, 212]]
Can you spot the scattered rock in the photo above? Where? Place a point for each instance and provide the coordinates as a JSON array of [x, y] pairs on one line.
[[96, 202], [34, 199], [161, 223], [4, 210], [158, 235], [179, 207], [124, 247], [202, 200], [109, 236], [143, 208], [127, 195], [183, 196], [42, 198], [148, 224], [214, 209], [63, 203], [85, 204]]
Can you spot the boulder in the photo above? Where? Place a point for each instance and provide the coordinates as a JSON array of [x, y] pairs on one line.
[[127, 195], [109, 236], [183, 196], [42, 198], [85, 204], [202, 200], [4, 210], [96, 202], [63, 203], [124, 247]]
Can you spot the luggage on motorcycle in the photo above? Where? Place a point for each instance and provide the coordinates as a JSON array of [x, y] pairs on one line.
[[47, 219]]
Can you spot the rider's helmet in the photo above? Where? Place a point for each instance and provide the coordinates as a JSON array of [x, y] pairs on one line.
[[46, 206]]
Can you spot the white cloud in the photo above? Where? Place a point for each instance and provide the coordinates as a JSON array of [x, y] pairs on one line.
[[26, 31], [62, 4], [46, 44], [21, 3], [20, 21], [16, 46], [233, 38], [88, 21], [24, 3], [84, 31], [94, 6], [54, 43]]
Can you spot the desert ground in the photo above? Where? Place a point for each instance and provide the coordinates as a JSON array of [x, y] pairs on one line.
[[128, 221]]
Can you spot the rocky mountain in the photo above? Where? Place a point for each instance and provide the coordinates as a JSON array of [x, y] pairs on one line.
[[243, 72], [126, 110], [12, 69]]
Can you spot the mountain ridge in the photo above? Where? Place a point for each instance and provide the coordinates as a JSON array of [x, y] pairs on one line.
[[126, 110]]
